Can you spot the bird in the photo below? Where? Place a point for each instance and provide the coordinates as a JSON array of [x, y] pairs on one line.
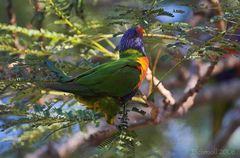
[[106, 87]]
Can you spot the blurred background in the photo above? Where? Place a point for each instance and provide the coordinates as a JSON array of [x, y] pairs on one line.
[[187, 136]]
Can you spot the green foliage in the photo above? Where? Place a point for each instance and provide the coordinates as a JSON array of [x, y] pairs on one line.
[[123, 143], [41, 122], [144, 14]]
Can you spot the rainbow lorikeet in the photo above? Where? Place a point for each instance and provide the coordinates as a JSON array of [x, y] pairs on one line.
[[108, 86]]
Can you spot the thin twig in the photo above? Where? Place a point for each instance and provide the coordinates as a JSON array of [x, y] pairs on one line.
[[150, 88], [217, 11], [39, 12], [13, 21], [168, 98]]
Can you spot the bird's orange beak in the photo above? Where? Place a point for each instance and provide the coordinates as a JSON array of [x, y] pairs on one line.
[[140, 30]]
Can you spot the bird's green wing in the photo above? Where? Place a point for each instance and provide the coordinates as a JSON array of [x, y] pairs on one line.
[[116, 79]]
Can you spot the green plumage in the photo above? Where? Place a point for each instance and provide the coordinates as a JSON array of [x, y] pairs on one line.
[[102, 87]]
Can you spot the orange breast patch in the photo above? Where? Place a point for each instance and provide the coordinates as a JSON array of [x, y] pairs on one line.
[[143, 61]]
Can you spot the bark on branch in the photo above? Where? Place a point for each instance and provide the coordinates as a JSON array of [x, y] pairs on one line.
[[225, 133], [95, 136]]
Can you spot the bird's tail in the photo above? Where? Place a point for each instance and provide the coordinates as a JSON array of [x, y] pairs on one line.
[[58, 86], [70, 87], [59, 73]]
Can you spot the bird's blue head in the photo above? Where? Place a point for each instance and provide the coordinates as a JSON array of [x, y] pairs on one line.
[[132, 39]]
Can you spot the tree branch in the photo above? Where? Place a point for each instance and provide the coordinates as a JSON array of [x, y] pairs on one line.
[[13, 21], [95, 135], [168, 98], [225, 133], [188, 99]]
